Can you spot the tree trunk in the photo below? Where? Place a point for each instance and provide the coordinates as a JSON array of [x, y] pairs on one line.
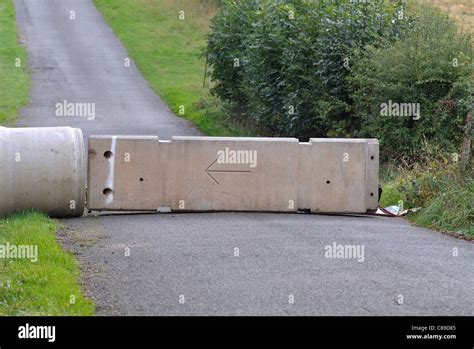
[[466, 145]]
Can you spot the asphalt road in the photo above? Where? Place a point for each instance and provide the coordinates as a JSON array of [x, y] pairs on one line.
[[221, 263], [81, 61], [143, 264]]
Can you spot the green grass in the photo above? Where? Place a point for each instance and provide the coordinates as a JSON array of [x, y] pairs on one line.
[[167, 52], [14, 81], [443, 191], [167, 49], [48, 286], [391, 196], [450, 211]]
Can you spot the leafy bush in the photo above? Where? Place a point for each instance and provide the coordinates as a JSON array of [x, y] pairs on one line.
[[283, 64], [430, 66], [322, 68], [227, 50]]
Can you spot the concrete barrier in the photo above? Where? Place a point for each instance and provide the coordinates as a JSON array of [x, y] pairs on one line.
[[42, 169], [232, 174]]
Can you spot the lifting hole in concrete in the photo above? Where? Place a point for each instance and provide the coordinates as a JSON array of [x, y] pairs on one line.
[[108, 154], [371, 194], [328, 182], [141, 179], [107, 191], [372, 157]]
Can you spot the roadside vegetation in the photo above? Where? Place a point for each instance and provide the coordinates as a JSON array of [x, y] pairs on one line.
[[441, 187], [165, 39], [50, 285], [14, 75], [401, 73], [325, 69], [422, 167], [45, 284], [317, 69]]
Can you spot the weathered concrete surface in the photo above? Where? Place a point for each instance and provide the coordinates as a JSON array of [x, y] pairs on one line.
[[336, 176], [42, 169], [232, 174], [373, 160]]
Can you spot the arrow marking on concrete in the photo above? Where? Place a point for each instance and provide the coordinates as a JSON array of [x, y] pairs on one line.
[[209, 172]]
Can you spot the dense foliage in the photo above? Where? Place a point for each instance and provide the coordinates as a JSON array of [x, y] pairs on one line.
[[323, 68], [430, 66]]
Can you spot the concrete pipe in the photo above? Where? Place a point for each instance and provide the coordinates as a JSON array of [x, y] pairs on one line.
[[42, 169]]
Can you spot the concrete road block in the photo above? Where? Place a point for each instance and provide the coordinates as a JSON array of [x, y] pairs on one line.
[[42, 169], [337, 175], [372, 194], [232, 174], [193, 174], [123, 173]]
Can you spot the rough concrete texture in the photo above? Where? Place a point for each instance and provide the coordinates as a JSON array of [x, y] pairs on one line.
[[232, 174], [42, 169], [373, 160]]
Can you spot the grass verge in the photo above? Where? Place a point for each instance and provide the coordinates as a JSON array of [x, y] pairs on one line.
[[166, 48], [48, 286], [14, 76], [444, 192]]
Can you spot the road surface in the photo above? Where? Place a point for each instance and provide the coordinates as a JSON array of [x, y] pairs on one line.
[[221, 263], [147, 264], [81, 61]]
